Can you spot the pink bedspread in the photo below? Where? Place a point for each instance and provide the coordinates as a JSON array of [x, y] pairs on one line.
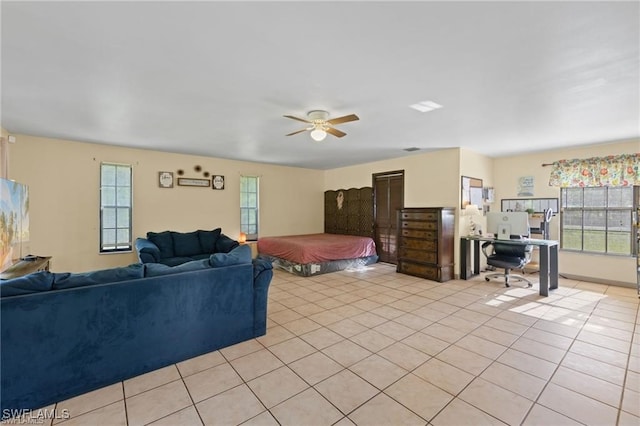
[[317, 247]]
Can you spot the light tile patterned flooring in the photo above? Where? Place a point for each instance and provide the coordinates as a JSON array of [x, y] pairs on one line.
[[374, 347]]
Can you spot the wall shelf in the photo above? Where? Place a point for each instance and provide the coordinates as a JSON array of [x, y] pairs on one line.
[[539, 205]]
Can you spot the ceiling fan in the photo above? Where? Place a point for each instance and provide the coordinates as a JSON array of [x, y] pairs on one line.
[[320, 125]]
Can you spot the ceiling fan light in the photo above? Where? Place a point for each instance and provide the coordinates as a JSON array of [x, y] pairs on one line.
[[318, 135]]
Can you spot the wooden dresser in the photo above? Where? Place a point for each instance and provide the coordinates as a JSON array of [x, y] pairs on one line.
[[425, 242]]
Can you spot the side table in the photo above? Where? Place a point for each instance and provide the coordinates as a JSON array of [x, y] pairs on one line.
[[26, 266]]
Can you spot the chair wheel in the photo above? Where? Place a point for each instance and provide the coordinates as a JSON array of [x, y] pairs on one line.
[[529, 285], [487, 279], [507, 285]]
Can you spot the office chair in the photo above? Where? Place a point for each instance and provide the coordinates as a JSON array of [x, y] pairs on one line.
[[508, 257]]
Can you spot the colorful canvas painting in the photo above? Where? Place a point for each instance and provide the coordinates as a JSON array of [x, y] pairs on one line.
[[14, 221]]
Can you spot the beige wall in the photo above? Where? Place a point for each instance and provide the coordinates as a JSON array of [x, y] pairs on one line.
[[64, 183], [477, 166], [506, 172], [430, 179]]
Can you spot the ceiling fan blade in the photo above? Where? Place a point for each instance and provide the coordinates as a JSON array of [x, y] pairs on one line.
[[335, 132], [344, 119], [299, 131], [296, 118]]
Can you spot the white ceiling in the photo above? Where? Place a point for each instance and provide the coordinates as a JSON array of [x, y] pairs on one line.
[[216, 78]]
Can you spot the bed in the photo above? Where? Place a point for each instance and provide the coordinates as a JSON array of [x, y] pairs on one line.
[[314, 254], [347, 241]]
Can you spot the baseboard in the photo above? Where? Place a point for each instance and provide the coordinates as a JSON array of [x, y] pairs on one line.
[[579, 278], [598, 280]]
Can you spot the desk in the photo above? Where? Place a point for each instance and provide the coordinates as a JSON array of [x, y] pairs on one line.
[[548, 259], [24, 267]]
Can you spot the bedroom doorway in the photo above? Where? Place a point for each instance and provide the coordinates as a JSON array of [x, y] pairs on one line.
[[388, 197]]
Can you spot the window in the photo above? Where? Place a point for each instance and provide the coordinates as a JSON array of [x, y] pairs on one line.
[[598, 219], [115, 207], [249, 206]]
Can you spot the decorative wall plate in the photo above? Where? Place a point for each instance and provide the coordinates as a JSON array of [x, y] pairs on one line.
[[165, 179], [217, 182]]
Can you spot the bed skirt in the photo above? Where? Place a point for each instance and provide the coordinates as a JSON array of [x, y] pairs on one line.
[[312, 269]]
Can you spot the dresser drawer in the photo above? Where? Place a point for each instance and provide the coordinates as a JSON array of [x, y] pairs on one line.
[[424, 271], [419, 225], [419, 215], [419, 233], [429, 245], [418, 255]]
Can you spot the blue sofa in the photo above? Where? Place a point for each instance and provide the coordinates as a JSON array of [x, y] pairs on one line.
[[68, 334], [174, 248]]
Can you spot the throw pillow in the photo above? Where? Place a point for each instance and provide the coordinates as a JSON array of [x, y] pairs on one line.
[[237, 256], [164, 242], [186, 244], [32, 283], [148, 255], [225, 244], [156, 269], [208, 240], [103, 276], [148, 252]]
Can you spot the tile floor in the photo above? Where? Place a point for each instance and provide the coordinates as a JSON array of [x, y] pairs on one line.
[[373, 347]]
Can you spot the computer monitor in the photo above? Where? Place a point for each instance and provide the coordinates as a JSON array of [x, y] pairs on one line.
[[504, 225]]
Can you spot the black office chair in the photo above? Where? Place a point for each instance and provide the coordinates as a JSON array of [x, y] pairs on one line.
[[507, 256]]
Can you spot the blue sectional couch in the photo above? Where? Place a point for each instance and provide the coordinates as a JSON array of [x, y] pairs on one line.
[[66, 334], [174, 248]]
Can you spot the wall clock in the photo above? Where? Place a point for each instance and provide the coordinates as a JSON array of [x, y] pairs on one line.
[[165, 179], [217, 182]]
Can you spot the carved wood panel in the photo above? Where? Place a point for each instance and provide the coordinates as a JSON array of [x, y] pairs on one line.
[[349, 211]]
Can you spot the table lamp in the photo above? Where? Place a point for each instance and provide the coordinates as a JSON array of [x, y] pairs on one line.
[[473, 213]]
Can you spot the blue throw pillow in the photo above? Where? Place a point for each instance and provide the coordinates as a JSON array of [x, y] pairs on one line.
[[32, 283], [208, 240], [186, 244], [148, 255], [103, 276], [156, 269], [237, 256], [225, 244], [148, 252], [164, 242]]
